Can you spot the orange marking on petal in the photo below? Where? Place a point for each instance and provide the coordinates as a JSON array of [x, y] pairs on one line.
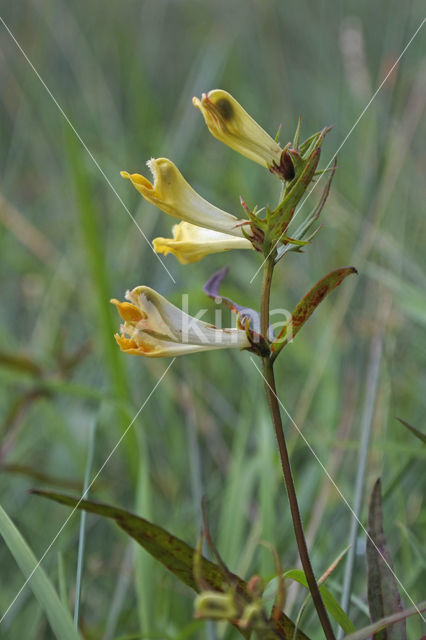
[[129, 345], [125, 343], [128, 311]]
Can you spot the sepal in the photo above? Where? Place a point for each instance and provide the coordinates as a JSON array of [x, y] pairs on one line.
[[301, 231]]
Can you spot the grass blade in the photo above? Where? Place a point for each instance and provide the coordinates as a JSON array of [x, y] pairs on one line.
[[82, 535], [59, 617], [366, 632], [383, 594]]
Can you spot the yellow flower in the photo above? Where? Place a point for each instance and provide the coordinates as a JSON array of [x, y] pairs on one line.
[[171, 193], [191, 243], [230, 123], [156, 328]]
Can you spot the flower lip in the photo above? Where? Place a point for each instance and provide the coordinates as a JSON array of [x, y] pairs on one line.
[[128, 311], [129, 345], [137, 178]]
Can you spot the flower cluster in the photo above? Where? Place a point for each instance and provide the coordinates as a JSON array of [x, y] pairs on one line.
[[154, 327], [205, 228]]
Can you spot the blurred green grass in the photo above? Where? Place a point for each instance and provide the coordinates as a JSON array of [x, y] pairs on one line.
[[125, 75]]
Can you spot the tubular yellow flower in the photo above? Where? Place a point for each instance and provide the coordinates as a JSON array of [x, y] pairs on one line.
[[191, 243], [171, 193], [156, 328], [230, 123]]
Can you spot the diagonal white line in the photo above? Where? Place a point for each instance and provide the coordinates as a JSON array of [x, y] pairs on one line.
[[345, 139], [85, 493], [84, 145], [339, 492]]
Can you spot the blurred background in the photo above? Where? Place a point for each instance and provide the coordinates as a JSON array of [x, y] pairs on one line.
[[124, 73]]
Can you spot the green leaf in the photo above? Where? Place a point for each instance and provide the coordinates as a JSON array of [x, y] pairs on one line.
[[330, 602], [308, 304], [172, 552], [419, 434], [382, 588], [282, 215], [58, 616], [176, 555], [366, 632]]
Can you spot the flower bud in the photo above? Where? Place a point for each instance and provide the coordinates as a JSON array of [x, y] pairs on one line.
[[231, 124]]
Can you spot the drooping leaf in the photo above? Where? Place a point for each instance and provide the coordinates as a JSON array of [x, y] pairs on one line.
[[419, 434], [383, 594], [330, 602], [383, 623], [59, 616], [308, 304], [177, 556], [172, 552]]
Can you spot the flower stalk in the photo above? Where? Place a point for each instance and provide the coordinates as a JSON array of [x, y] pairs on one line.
[[271, 395], [154, 327]]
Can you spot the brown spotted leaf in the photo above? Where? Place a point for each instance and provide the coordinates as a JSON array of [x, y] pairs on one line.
[[383, 594], [308, 304], [178, 557], [172, 552]]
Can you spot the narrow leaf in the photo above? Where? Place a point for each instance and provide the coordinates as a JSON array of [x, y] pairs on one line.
[[329, 600], [333, 565], [308, 304], [315, 214], [58, 616], [176, 555], [297, 133], [366, 632], [172, 552], [383, 594], [419, 434], [304, 227]]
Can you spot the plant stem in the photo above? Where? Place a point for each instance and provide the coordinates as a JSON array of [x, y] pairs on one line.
[[268, 372], [271, 394], [266, 292]]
